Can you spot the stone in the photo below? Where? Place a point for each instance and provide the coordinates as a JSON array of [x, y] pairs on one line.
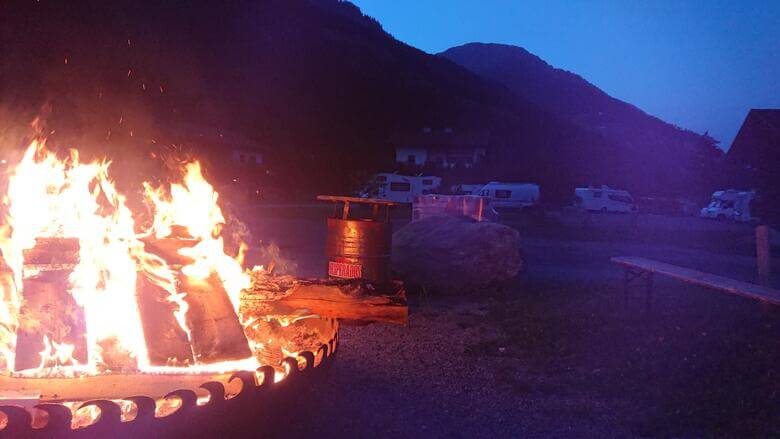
[[456, 255]]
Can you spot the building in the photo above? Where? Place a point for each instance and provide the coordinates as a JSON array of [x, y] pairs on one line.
[[754, 161], [757, 145], [245, 156], [216, 143], [445, 148]]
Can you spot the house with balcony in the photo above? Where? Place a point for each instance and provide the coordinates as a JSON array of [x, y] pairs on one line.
[[446, 148]]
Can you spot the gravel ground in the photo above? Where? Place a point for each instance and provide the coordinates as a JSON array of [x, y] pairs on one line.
[[556, 353]]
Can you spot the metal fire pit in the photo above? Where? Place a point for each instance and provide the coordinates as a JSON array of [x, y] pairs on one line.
[[242, 403]]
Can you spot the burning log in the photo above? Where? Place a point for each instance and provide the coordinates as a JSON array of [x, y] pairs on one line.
[[49, 312], [53, 251], [168, 249], [215, 331], [166, 341], [277, 338], [353, 300]]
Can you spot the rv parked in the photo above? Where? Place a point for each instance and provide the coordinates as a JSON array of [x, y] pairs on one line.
[[511, 195], [729, 205], [604, 199], [400, 188]]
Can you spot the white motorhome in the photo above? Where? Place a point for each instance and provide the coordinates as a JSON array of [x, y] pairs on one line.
[[510, 195], [729, 205], [400, 188], [604, 199]]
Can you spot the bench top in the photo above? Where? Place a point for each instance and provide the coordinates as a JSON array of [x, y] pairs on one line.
[[340, 199], [701, 278]]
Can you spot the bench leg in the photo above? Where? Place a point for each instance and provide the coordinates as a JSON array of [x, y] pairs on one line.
[[648, 291], [626, 282], [633, 275]]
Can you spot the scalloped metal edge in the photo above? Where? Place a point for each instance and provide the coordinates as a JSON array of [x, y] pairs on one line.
[[19, 419]]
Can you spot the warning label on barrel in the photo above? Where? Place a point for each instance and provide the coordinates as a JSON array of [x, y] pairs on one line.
[[344, 270]]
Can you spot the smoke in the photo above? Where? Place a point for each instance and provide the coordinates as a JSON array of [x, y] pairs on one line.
[[274, 262], [236, 233]]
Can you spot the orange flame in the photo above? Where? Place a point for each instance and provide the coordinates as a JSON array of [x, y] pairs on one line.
[[52, 197]]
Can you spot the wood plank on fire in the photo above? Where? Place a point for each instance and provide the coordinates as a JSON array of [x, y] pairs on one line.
[[215, 332], [351, 300], [48, 310], [53, 251], [166, 341]]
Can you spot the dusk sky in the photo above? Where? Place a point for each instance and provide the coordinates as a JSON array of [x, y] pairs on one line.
[[698, 64]]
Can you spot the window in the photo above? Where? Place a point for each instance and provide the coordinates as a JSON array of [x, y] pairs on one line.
[[381, 178], [597, 194], [400, 187], [427, 182], [503, 193], [621, 198], [411, 159]]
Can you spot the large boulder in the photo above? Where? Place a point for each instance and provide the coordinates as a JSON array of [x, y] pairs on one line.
[[455, 255]]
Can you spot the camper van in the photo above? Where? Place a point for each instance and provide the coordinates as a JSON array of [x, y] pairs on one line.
[[604, 199], [400, 188], [729, 205], [510, 195]]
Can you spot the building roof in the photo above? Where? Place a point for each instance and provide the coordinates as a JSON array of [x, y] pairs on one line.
[[441, 139], [758, 142]]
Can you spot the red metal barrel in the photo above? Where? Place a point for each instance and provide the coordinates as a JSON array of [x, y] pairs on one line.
[[359, 239]]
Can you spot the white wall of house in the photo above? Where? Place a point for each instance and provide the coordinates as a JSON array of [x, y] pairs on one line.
[[416, 156]]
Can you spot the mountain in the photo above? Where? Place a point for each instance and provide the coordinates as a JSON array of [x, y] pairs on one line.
[[574, 99], [319, 86]]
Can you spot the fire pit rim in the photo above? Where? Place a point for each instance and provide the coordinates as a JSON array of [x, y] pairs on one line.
[[19, 420]]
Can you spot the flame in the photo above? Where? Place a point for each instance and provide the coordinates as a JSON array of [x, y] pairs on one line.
[[192, 206], [49, 197], [52, 197]]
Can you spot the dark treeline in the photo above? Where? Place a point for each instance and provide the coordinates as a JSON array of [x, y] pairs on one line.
[[317, 85]]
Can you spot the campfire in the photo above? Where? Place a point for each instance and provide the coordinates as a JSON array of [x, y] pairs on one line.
[[108, 311]]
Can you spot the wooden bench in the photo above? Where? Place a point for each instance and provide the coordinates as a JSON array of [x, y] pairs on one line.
[[638, 269]]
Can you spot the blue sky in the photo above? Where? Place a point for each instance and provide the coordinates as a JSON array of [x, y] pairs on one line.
[[698, 64]]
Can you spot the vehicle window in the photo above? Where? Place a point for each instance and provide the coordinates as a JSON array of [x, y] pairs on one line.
[[427, 182], [620, 198], [400, 187], [381, 178], [728, 204], [597, 194], [503, 193]]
